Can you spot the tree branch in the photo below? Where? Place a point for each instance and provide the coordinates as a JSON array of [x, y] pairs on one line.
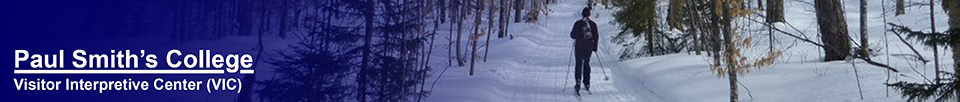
[[864, 58]]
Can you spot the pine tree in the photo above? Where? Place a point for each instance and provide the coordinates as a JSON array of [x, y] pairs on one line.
[[311, 64], [639, 18], [953, 13], [945, 88], [329, 64]]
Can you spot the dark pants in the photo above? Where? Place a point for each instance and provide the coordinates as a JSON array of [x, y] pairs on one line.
[[582, 69]]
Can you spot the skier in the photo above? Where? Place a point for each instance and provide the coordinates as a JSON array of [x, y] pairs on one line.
[[584, 34]]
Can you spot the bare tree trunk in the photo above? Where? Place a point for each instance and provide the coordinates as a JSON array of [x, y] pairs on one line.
[[506, 17], [460, 17], [835, 38], [263, 18], [502, 19], [900, 8], [774, 14], [775, 11], [443, 10], [694, 27], [284, 15], [864, 44], [450, 40], [760, 4], [649, 37], [244, 19], [956, 55], [936, 50], [490, 27], [473, 53], [247, 96], [674, 15], [474, 37], [368, 14], [517, 9], [715, 34], [731, 68]]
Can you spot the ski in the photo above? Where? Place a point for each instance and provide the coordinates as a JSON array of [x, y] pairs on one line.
[[579, 98], [576, 91]]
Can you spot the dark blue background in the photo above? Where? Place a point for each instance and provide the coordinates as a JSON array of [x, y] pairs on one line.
[[97, 26]]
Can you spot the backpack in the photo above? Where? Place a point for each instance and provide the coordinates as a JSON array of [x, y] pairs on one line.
[[587, 31]]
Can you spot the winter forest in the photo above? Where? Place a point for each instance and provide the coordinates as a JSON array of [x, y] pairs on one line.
[[522, 50]]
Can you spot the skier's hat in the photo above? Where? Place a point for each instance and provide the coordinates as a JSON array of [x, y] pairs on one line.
[[585, 12]]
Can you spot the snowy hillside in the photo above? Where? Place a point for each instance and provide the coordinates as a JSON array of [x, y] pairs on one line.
[[536, 65]]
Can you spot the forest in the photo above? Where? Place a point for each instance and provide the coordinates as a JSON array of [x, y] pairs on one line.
[[514, 50]]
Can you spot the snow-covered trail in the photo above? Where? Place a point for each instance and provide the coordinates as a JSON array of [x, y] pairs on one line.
[[536, 65]]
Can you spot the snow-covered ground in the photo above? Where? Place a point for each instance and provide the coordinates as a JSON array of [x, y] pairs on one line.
[[535, 66]]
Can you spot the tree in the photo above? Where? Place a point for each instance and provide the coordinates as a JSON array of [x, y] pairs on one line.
[[953, 13], [941, 91], [368, 8], [639, 18], [735, 61], [394, 51], [377, 60], [936, 50], [517, 8], [284, 10], [731, 69], [299, 69], [442, 6], [461, 14], [775, 11], [864, 45], [674, 14], [774, 14], [503, 19], [833, 29], [490, 27], [475, 36], [900, 8], [311, 65]]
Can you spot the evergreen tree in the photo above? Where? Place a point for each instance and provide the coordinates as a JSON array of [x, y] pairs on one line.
[[638, 18], [945, 88], [953, 13], [329, 64]]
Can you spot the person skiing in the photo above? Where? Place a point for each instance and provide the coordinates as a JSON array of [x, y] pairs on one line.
[[584, 34]]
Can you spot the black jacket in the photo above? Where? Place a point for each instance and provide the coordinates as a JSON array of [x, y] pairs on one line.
[[581, 41]]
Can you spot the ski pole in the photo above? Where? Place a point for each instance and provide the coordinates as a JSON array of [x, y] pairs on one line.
[[605, 76], [567, 77]]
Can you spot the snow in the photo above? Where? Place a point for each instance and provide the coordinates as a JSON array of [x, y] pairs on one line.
[[534, 67]]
